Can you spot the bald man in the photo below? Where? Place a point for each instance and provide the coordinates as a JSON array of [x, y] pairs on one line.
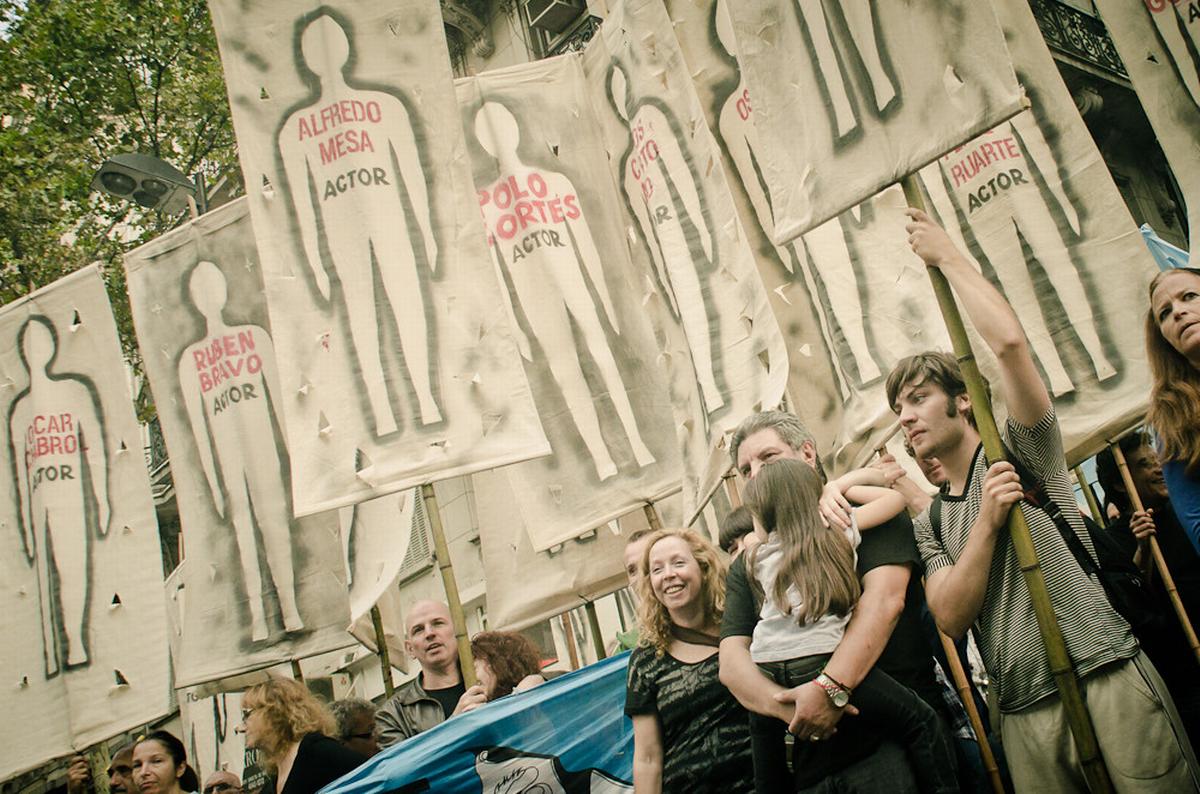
[[436, 693], [222, 782]]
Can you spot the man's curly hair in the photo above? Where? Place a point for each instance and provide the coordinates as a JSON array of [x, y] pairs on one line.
[[511, 656], [653, 620]]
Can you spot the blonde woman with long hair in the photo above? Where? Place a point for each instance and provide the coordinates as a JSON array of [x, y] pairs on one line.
[[689, 733], [294, 733], [1173, 349], [805, 573]]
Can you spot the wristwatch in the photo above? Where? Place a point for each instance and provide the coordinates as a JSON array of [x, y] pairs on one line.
[[839, 695]]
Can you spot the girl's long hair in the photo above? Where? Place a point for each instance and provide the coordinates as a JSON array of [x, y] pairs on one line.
[[817, 560], [290, 712], [1175, 393], [654, 622]]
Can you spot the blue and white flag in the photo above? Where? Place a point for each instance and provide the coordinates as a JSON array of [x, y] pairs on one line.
[[568, 736]]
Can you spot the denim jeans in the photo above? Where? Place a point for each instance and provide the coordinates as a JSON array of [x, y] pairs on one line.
[[888, 709]]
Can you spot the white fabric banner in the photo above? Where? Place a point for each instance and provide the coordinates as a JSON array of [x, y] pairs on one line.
[[84, 648], [1039, 176], [553, 222], [1035, 204], [851, 96], [262, 586], [396, 360], [526, 586], [1159, 42], [685, 236]]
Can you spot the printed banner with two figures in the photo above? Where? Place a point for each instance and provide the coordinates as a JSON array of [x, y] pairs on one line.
[[685, 237], [854, 299], [84, 627], [263, 586], [849, 97], [397, 364], [1159, 42], [553, 224]]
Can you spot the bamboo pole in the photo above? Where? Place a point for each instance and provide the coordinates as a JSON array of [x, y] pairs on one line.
[[381, 650], [1089, 496], [652, 518], [441, 553], [297, 673], [594, 626], [1160, 562], [1074, 707], [731, 489], [569, 634], [962, 685]]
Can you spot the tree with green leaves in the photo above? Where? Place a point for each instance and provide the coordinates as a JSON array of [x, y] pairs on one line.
[[84, 80]]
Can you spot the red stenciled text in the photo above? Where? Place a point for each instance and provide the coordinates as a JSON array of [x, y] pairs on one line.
[[333, 121], [967, 166], [645, 152], [743, 105], [524, 202], [226, 357], [50, 435]]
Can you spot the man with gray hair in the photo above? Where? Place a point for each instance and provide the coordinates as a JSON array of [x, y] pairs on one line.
[[885, 629], [356, 725]]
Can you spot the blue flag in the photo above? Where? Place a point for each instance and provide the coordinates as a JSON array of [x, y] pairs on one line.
[[567, 736], [1165, 255]]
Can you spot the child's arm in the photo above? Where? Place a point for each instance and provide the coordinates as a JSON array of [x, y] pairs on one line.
[[835, 508], [878, 505]]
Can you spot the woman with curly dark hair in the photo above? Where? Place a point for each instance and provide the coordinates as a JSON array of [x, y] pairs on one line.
[[505, 661], [294, 733]]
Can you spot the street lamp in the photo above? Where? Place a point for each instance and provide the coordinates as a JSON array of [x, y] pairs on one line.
[[151, 182]]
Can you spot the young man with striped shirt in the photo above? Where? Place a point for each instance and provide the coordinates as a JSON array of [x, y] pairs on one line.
[[972, 575]]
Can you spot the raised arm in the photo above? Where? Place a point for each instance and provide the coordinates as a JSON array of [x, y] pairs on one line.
[[295, 166], [876, 504], [1024, 392]]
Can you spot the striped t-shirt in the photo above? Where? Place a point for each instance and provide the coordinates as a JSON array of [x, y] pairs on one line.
[[1008, 631]]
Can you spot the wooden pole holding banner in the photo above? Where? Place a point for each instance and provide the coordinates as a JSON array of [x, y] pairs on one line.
[[569, 635], [652, 517], [297, 673], [962, 685], [1063, 672], [1160, 562], [385, 661], [1089, 496], [441, 553], [594, 626], [731, 489]]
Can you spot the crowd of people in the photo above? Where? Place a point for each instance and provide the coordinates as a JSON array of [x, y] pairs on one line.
[[803, 654]]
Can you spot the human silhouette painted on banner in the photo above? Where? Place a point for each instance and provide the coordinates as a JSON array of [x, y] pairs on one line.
[[356, 179], [823, 253], [993, 184], [60, 470], [223, 378], [829, 67], [667, 201], [539, 235], [1178, 26]]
